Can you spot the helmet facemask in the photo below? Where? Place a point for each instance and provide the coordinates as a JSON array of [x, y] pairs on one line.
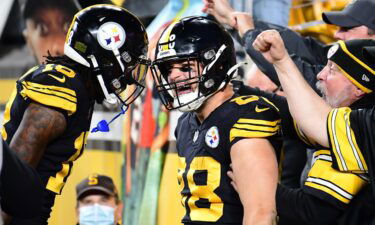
[[200, 79], [182, 92], [121, 83]]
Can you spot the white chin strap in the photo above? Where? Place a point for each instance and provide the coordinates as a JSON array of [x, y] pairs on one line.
[[109, 98]]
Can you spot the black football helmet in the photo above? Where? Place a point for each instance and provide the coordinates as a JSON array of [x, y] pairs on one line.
[[113, 43], [200, 43]]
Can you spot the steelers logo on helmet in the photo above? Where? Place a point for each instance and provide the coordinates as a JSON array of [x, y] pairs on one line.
[[111, 35]]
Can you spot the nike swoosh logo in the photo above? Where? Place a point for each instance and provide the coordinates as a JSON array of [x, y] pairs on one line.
[[258, 110], [62, 80]]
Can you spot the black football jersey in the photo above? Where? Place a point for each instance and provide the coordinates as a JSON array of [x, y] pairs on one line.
[[333, 186], [204, 154], [325, 182], [60, 88], [345, 147], [352, 137]]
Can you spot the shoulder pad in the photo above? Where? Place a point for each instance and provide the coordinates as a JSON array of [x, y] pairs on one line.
[[48, 85], [257, 117]]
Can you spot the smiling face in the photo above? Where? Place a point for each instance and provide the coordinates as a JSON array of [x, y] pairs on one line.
[[184, 76]]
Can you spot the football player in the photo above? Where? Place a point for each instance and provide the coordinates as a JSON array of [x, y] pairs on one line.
[[194, 63], [47, 118]]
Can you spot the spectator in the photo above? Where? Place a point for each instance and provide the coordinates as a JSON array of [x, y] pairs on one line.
[[98, 201], [355, 21], [346, 81]]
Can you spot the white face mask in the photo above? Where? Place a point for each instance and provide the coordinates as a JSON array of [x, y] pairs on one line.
[[96, 215]]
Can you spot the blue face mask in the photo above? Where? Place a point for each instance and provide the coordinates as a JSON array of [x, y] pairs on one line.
[[96, 215]]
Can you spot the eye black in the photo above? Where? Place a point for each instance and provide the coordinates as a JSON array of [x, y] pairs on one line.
[[185, 69]]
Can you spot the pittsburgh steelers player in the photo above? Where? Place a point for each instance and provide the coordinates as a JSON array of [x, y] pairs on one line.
[[194, 63], [47, 118]]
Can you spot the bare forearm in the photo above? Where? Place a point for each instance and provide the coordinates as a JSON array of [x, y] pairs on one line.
[[225, 14], [255, 175], [39, 126], [260, 217], [244, 22], [307, 108]]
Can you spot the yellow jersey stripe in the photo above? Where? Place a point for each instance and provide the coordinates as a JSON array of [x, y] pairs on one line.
[[324, 155], [343, 46], [256, 127], [238, 133], [260, 122], [340, 161], [49, 88], [78, 145], [324, 186], [55, 184], [49, 93], [354, 81], [344, 145], [338, 181], [321, 152], [7, 112], [51, 98]]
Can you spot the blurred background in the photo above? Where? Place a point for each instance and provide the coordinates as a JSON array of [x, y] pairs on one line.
[[139, 152]]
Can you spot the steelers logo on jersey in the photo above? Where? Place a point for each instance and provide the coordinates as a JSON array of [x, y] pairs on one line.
[[212, 137]]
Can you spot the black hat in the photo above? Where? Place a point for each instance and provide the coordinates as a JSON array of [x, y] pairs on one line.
[[96, 182], [369, 54], [349, 57], [356, 13]]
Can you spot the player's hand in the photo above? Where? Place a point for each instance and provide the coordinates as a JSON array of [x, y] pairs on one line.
[[271, 45], [221, 10]]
